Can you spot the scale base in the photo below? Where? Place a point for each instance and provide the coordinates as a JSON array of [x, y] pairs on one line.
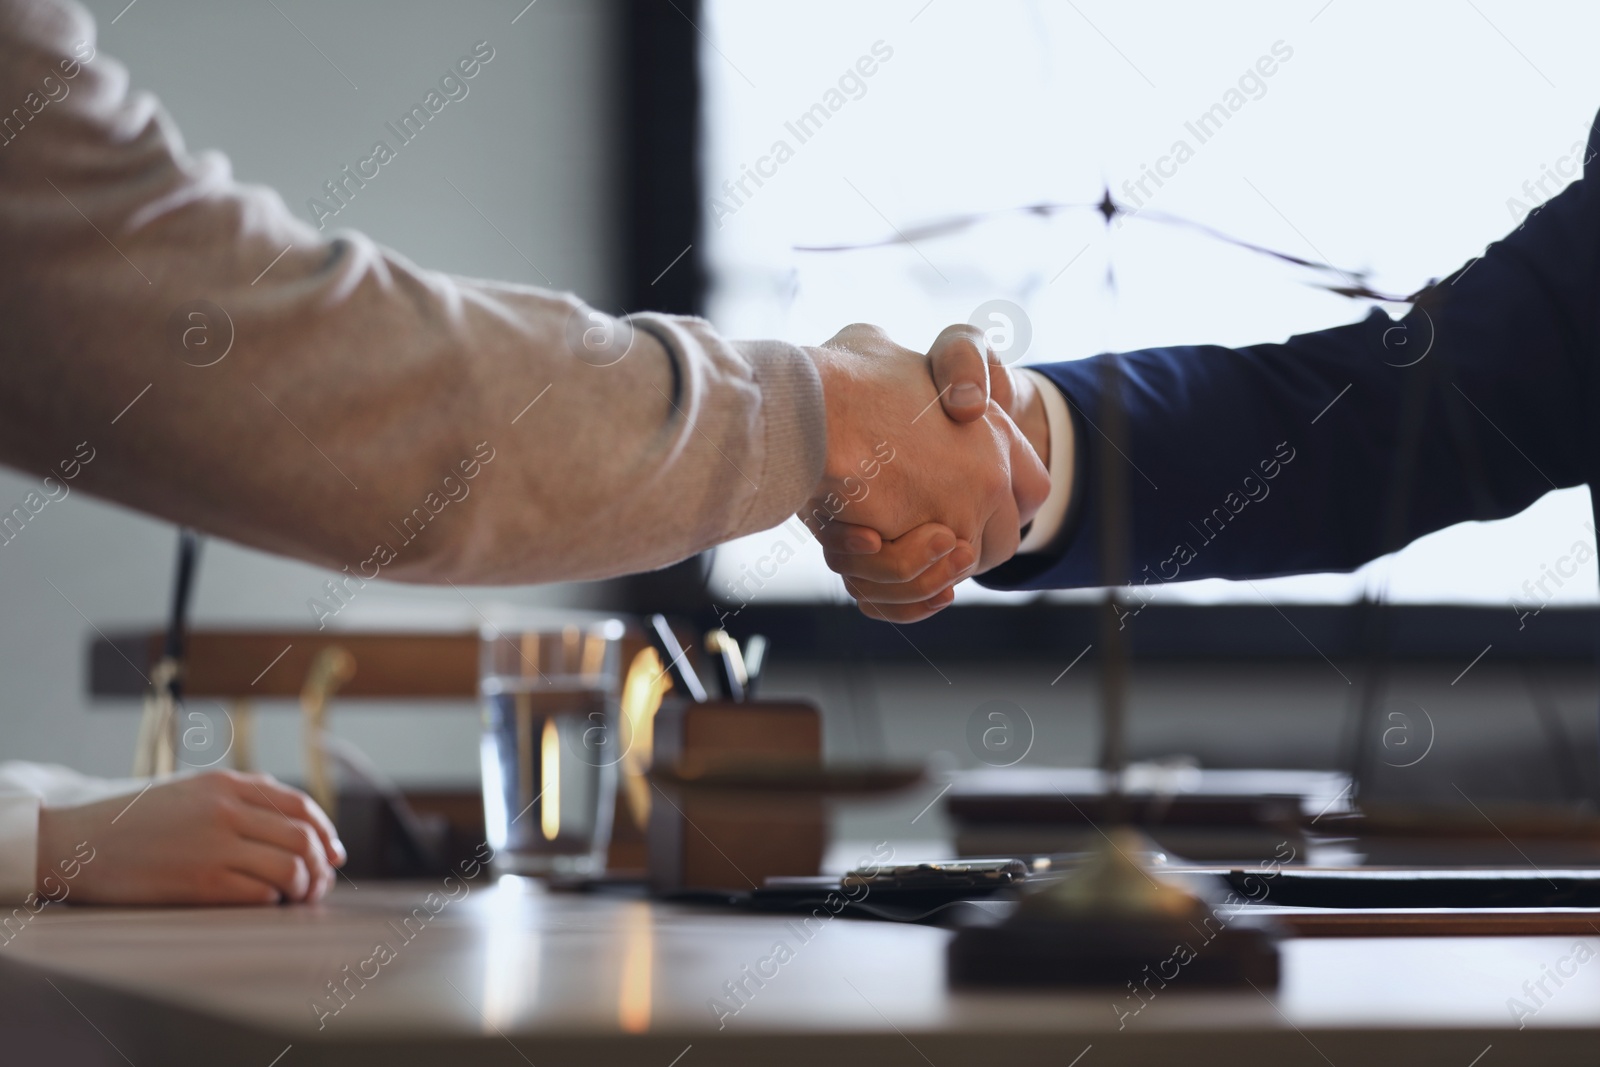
[[1113, 951]]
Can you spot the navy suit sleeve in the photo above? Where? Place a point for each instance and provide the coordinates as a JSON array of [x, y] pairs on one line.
[[1335, 447]]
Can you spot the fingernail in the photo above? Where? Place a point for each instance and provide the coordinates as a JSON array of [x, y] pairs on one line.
[[966, 394], [963, 558], [858, 543], [941, 546]]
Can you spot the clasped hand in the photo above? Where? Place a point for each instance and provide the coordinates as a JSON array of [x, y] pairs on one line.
[[929, 479]]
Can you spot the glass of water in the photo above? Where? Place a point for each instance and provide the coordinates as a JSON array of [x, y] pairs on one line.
[[549, 750]]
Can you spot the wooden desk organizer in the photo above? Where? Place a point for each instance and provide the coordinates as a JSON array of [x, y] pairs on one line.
[[705, 839]]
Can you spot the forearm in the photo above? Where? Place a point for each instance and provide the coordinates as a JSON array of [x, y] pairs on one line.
[[367, 414], [1237, 475], [27, 791], [1338, 446]]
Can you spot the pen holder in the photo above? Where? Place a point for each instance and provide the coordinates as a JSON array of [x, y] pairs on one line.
[[719, 839]]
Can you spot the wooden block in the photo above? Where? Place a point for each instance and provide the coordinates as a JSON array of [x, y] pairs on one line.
[[713, 839]]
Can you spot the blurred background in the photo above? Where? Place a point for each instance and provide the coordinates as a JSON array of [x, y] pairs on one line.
[[609, 146]]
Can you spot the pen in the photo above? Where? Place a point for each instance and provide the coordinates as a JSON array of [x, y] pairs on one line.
[[178, 618], [728, 663], [677, 659], [755, 655]]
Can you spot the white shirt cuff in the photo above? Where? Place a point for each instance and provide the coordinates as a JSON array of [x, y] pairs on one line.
[[19, 846], [24, 788], [1052, 514]]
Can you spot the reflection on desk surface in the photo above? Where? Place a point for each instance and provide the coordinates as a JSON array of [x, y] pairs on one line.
[[511, 958]]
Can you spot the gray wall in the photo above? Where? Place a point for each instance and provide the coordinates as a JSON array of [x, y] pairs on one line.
[[531, 145]]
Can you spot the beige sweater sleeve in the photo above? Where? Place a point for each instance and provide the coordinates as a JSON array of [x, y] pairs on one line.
[[181, 344]]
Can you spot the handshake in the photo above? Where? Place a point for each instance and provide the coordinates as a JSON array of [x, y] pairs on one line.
[[933, 466]]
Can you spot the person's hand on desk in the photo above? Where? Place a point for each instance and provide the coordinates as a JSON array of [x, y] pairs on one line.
[[949, 492], [909, 577], [214, 838]]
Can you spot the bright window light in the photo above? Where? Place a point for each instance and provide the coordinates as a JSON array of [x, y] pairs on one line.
[[1399, 139]]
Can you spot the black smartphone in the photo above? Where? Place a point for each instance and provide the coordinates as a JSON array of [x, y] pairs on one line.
[[947, 874]]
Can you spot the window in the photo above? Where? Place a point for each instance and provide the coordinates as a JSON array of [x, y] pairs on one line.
[[1400, 141]]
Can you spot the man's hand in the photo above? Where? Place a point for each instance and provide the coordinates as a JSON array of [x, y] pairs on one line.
[[214, 838], [910, 577], [896, 465]]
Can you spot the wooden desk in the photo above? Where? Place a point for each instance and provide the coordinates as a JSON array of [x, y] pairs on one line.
[[510, 974]]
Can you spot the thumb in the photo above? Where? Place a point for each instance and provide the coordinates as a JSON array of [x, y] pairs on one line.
[[959, 363]]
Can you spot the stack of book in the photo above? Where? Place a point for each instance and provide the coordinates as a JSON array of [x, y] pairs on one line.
[[1207, 816]]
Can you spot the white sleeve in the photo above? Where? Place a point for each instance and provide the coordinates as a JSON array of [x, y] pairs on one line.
[[19, 845], [1053, 512], [24, 789], [61, 787]]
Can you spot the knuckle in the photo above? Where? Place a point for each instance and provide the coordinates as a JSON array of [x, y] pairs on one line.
[[910, 568], [212, 881], [221, 809], [997, 484], [969, 344], [286, 867], [898, 563]]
